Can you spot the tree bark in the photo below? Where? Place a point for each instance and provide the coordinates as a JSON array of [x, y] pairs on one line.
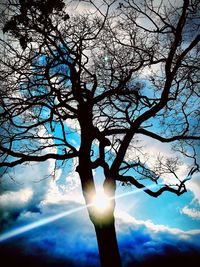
[[107, 244], [104, 225], [103, 222]]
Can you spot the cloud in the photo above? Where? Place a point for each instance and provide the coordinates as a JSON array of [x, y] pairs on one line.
[[152, 148], [59, 243], [16, 199], [194, 186], [144, 241], [191, 212], [25, 191], [71, 240], [30, 185], [66, 187], [73, 124], [64, 241]]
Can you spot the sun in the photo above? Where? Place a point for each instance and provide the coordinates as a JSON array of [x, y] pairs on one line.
[[101, 202]]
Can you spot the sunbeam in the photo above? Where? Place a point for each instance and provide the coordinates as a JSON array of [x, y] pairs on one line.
[[26, 228], [15, 232]]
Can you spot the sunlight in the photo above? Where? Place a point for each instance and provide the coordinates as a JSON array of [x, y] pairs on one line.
[[101, 202], [39, 223]]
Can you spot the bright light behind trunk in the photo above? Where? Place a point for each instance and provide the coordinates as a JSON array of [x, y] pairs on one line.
[[101, 202]]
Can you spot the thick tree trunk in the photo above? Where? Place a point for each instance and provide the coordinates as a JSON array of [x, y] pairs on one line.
[[105, 229], [103, 223], [107, 244]]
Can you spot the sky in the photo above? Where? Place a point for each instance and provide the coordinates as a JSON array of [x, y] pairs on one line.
[[150, 232]]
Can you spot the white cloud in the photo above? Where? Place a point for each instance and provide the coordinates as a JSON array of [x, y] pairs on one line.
[[73, 124], [194, 186], [152, 148], [62, 194], [67, 191], [74, 235], [25, 191], [16, 198], [127, 219], [191, 212]]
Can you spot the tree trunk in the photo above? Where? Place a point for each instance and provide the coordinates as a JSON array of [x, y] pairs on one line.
[[107, 244], [103, 223]]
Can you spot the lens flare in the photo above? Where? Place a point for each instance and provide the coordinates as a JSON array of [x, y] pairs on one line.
[[26, 228], [101, 202]]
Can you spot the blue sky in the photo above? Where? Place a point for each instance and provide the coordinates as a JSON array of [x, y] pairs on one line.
[[149, 230]]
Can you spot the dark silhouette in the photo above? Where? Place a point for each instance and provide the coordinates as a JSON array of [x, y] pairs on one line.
[[118, 71]]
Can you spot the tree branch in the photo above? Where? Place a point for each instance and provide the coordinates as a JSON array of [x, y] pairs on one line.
[[36, 158], [167, 140], [179, 191]]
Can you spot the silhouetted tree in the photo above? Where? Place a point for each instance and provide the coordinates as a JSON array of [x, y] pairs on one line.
[[113, 71]]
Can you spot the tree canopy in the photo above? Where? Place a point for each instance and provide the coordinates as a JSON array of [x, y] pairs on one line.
[[119, 71]]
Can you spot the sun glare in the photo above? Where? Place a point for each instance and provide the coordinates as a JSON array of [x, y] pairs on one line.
[[101, 202]]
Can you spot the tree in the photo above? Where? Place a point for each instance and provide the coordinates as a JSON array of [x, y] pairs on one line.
[[119, 72]]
